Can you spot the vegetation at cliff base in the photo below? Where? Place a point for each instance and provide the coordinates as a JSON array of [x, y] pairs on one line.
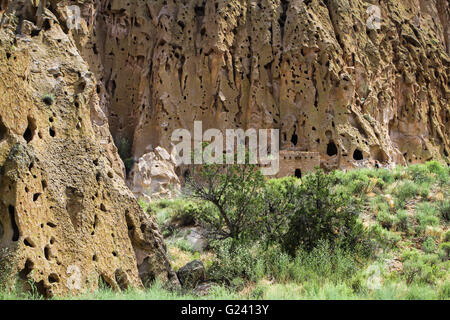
[[361, 234]]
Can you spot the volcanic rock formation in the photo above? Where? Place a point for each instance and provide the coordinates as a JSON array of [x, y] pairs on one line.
[[319, 71], [67, 219]]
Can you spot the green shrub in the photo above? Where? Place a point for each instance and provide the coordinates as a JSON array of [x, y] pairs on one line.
[[442, 173], [185, 214], [447, 236], [233, 261], [324, 264], [403, 221], [444, 251], [323, 214], [429, 246], [280, 197], [356, 182], [386, 219], [235, 192], [382, 237], [420, 292], [385, 175], [444, 208], [444, 291], [426, 215], [406, 190], [274, 263], [418, 268], [420, 174]]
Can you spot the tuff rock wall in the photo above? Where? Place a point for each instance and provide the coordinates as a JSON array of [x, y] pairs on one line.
[[67, 219], [311, 68]]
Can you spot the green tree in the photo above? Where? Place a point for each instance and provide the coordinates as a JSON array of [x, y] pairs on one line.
[[323, 214], [280, 197], [235, 194]]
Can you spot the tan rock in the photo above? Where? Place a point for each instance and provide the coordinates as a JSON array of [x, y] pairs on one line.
[[332, 86], [390, 201], [67, 218], [153, 176]]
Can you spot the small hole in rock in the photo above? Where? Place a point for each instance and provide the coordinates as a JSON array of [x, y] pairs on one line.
[[47, 252], [29, 243], [53, 278]]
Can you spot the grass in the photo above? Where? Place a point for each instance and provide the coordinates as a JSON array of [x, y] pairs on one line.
[[406, 215], [48, 99]]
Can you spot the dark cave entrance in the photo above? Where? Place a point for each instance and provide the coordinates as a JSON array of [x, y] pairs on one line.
[[332, 149], [358, 155]]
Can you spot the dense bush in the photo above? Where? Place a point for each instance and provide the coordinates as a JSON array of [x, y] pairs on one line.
[[323, 214], [444, 208], [234, 261], [422, 268], [406, 190], [280, 198]]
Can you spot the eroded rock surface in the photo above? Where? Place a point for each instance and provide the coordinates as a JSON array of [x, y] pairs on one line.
[[312, 68], [153, 176], [67, 218]]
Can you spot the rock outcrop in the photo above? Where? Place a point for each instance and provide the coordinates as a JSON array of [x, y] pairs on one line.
[[67, 219], [314, 69], [153, 176]]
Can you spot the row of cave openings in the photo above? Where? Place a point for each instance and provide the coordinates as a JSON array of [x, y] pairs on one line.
[[332, 149]]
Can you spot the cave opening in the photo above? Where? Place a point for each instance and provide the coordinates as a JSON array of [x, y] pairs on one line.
[[358, 155], [186, 175], [332, 149], [199, 11], [3, 130], [28, 135], [12, 216], [294, 137]]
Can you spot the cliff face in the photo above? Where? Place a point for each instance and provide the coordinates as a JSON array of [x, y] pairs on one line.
[[312, 68], [67, 218], [343, 93]]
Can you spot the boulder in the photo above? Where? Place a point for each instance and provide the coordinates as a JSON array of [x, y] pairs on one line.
[[192, 274], [153, 176]]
